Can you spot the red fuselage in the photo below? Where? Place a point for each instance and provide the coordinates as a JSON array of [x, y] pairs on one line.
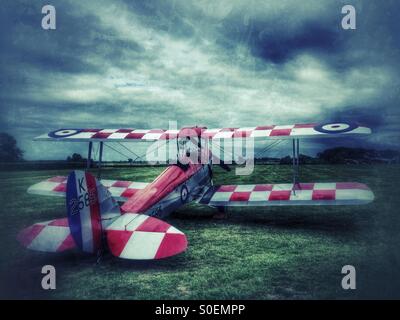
[[162, 186]]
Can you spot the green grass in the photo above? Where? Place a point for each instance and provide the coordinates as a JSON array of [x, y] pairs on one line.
[[262, 253]]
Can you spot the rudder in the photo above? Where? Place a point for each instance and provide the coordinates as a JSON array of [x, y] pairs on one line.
[[88, 202]]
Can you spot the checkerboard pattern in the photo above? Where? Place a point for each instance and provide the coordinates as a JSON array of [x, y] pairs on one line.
[[131, 236], [49, 236], [272, 132], [57, 186], [288, 194], [261, 131], [138, 236]]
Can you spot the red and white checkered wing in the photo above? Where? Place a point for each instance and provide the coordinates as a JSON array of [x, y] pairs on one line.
[[49, 236], [291, 131], [140, 237], [111, 135], [56, 186], [336, 193]]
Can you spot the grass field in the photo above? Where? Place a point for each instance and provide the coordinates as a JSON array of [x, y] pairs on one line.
[[263, 253]]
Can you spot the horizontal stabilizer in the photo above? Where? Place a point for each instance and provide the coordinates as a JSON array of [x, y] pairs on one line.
[[140, 237], [49, 236], [336, 193]]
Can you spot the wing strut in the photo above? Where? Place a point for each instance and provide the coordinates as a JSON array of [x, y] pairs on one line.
[[89, 157], [296, 162], [100, 159]]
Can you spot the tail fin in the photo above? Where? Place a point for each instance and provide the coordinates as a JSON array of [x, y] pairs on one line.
[[95, 217], [89, 206]]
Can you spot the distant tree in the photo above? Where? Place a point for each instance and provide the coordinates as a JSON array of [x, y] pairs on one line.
[[356, 155], [9, 150], [303, 159], [76, 157], [286, 160]]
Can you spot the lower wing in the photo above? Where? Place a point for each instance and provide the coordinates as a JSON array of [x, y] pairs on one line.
[[57, 186], [336, 193]]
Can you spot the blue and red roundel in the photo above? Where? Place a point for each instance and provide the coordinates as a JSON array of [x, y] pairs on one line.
[[64, 133], [335, 127]]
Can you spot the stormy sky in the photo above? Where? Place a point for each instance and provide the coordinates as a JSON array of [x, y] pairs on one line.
[[141, 64]]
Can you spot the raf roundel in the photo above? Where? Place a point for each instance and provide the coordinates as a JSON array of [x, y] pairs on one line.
[[63, 133], [337, 127], [184, 194]]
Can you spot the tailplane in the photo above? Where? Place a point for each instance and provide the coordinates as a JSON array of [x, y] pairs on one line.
[[94, 222]]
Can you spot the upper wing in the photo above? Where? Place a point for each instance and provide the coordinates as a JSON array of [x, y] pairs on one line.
[[336, 193], [108, 135], [293, 131], [57, 186]]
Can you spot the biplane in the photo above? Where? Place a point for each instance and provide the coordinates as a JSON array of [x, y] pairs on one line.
[[125, 217]]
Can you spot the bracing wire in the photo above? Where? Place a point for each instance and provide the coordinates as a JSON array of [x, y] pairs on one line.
[[136, 155], [117, 151], [223, 150], [268, 147], [129, 150]]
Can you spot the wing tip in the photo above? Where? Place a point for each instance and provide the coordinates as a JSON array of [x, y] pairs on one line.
[[365, 130]]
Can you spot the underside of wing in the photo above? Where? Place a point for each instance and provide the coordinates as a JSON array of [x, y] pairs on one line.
[[292, 131], [336, 193], [49, 236], [57, 186]]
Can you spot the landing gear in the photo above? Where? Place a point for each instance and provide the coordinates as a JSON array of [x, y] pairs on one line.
[[99, 255], [222, 213]]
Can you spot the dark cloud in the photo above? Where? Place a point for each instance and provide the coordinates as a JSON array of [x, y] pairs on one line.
[[312, 37], [143, 63], [272, 41]]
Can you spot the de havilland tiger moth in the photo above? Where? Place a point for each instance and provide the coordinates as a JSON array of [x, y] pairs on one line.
[[124, 217]]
